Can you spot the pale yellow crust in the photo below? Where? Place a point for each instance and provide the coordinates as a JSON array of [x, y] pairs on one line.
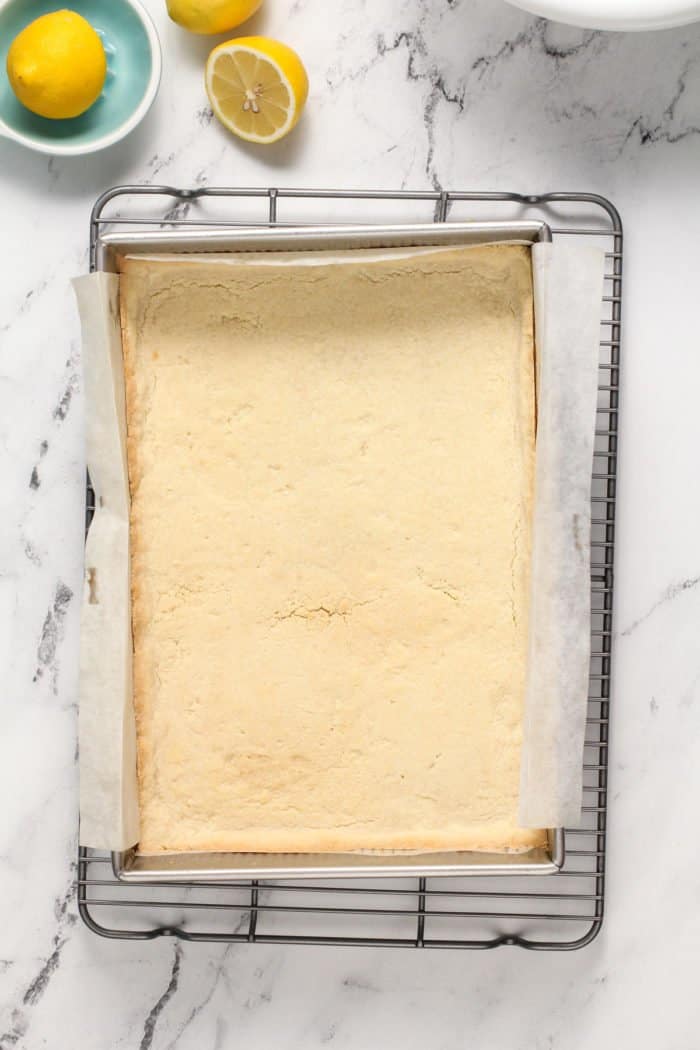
[[331, 475]]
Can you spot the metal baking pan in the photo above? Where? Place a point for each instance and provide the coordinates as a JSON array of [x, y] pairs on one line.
[[132, 866], [110, 246]]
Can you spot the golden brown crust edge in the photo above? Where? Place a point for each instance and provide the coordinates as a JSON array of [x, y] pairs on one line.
[[494, 840], [145, 755]]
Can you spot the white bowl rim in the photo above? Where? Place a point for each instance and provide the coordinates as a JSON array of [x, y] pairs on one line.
[[78, 149], [616, 14]]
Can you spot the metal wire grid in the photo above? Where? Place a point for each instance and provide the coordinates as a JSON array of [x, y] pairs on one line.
[[563, 911]]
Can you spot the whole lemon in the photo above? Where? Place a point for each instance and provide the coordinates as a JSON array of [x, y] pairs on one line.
[[211, 16], [57, 65]]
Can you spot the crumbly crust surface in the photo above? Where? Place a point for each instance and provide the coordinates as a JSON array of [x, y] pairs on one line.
[[331, 475]]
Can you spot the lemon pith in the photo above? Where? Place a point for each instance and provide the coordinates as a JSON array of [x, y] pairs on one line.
[[57, 65], [211, 16], [257, 87]]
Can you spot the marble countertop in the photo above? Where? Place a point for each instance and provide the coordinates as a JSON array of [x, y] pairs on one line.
[[465, 94]]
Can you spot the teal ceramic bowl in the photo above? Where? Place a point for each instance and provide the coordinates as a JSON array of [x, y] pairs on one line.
[[133, 75]]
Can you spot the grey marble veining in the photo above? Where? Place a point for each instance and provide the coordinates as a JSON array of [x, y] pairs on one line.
[[466, 94]]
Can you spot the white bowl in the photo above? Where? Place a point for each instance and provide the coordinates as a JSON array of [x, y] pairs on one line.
[[616, 14]]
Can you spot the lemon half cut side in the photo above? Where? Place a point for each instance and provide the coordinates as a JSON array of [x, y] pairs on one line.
[[257, 87]]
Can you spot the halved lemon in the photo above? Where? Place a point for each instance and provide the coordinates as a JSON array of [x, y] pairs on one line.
[[257, 87]]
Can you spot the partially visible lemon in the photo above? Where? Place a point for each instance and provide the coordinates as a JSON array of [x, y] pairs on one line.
[[57, 65], [211, 16], [257, 87]]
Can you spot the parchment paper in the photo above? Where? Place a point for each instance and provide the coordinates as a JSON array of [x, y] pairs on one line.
[[568, 283], [109, 816]]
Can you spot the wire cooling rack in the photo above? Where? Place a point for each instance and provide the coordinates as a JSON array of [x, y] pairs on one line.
[[557, 912]]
